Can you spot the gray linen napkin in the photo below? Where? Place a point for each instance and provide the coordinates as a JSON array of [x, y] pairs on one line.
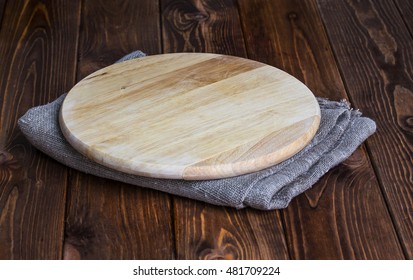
[[341, 131]]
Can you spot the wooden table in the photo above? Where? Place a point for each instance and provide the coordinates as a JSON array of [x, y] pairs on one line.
[[361, 51]]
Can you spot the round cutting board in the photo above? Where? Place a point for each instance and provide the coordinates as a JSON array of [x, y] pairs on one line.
[[189, 116]]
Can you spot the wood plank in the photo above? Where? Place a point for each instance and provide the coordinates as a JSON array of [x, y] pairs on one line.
[[406, 9], [38, 43], [344, 216], [377, 66], [107, 219], [205, 231]]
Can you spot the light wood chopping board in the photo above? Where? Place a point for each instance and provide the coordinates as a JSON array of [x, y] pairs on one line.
[[189, 116]]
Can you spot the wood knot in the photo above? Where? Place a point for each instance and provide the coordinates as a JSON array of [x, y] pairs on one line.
[[292, 15], [216, 254], [39, 184], [8, 161], [403, 101], [79, 240], [70, 252], [409, 121], [225, 247], [11, 166], [200, 17], [5, 158]]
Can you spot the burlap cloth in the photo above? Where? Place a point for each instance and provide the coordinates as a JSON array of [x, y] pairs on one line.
[[341, 131]]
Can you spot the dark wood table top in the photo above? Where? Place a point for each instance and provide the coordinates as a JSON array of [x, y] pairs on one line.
[[358, 50]]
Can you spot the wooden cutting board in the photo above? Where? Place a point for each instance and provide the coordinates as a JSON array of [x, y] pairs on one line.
[[189, 116]]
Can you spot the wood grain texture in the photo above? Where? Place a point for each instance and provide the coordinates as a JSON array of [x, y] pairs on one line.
[[202, 26], [282, 41], [38, 50], [112, 30], [107, 219], [359, 226], [405, 8], [110, 220], [377, 68], [344, 215], [202, 231], [189, 116], [218, 233]]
